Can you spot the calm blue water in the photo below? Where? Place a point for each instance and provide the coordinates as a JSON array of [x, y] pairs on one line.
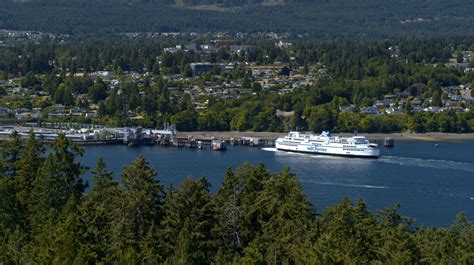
[[432, 184]]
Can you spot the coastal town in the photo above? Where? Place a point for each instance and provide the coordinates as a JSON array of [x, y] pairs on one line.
[[22, 99]]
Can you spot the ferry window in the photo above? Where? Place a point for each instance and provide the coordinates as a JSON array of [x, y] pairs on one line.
[[361, 141]]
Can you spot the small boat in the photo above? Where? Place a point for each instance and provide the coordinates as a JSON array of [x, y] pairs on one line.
[[218, 145], [199, 145], [388, 142]]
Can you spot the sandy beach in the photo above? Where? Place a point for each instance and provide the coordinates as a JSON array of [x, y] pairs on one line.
[[432, 136]]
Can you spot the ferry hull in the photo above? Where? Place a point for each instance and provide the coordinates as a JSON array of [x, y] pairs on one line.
[[329, 150]]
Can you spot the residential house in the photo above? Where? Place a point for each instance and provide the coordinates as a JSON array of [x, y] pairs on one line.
[[394, 110], [373, 110]]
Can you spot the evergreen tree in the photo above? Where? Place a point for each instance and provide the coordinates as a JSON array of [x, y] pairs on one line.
[[3, 75], [136, 210], [98, 91], [30, 161], [66, 234], [238, 217], [229, 218], [256, 87], [58, 181], [189, 219], [12, 211], [59, 95], [246, 82], [347, 233], [156, 68], [286, 221], [10, 155], [95, 215]]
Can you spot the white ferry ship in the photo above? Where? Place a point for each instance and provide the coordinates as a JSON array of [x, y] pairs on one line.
[[327, 144]]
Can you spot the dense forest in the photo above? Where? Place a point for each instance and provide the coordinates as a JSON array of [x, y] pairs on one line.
[[318, 19], [256, 216]]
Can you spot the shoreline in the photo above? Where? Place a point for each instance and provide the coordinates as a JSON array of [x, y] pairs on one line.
[[430, 136]]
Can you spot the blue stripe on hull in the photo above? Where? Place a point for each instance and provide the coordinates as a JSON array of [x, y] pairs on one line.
[[329, 154]]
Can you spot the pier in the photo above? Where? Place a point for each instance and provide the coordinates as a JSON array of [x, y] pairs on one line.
[[138, 136]]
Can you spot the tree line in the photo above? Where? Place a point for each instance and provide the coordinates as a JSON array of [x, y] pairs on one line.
[[256, 216], [345, 59], [334, 19]]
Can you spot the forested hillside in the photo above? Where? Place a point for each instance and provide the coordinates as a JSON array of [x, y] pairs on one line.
[[319, 19], [256, 217]]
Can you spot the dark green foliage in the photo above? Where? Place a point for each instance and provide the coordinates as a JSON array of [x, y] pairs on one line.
[[136, 213], [95, 215], [285, 221], [29, 80], [256, 87], [256, 217], [186, 228], [318, 19], [98, 91], [58, 181]]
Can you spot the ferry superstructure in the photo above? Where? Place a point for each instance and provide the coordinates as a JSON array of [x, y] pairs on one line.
[[326, 144]]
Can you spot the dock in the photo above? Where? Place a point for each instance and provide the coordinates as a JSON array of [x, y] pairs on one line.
[[138, 136]]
